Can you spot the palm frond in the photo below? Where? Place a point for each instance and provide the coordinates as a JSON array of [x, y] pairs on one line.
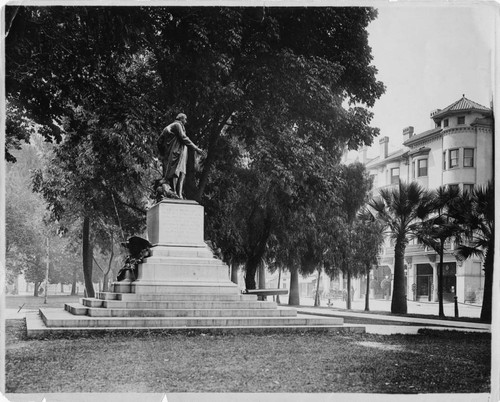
[[464, 252]]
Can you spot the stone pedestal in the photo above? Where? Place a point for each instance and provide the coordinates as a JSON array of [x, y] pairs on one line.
[[176, 223], [181, 262], [180, 287]]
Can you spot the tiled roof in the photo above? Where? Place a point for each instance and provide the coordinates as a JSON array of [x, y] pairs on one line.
[[421, 136], [463, 104]]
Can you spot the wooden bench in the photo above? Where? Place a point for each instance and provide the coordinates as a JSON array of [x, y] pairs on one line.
[[334, 294], [262, 293]]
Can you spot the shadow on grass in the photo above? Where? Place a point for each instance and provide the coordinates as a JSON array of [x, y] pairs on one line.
[[162, 361]]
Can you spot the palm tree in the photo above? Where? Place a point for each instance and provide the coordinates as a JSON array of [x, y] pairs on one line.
[[398, 209], [438, 228], [475, 214]]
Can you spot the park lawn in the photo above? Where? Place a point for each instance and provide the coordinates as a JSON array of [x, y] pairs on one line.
[[432, 362]]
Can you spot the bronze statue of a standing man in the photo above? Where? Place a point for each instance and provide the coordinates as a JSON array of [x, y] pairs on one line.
[[173, 149]]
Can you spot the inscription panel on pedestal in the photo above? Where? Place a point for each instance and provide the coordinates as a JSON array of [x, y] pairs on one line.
[[176, 223]]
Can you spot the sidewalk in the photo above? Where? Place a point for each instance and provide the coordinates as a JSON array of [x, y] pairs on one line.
[[416, 323], [338, 309], [14, 314], [379, 305]]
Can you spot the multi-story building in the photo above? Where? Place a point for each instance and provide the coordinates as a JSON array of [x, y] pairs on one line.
[[458, 151]]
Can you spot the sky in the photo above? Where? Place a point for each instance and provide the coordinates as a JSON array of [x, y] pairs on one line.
[[429, 56]]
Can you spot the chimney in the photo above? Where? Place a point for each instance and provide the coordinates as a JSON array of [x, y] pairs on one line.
[[434, 112], [363, 158], [407, 133], [384, 147], [437, 123]]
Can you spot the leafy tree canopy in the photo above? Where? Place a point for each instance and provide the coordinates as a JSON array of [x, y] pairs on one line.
[[274, 95], [28, 227], [243, 70]]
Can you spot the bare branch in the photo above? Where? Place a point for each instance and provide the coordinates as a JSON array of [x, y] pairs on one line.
[[98, 266], [11, 20]]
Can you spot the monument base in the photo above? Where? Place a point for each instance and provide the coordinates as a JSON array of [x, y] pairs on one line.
[[181, 285], [187, 269], [180, 260]]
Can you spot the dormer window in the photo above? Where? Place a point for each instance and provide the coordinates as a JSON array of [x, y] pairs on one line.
[[445, 123], [460, 120]]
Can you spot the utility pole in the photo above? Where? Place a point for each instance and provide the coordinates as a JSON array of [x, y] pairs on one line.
[[47, 273]]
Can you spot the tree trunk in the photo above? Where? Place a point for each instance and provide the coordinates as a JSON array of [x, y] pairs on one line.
[[440, 280], [214, 131], [47, 272], [234, 273], [262, 276], [190, 189], [398, 304], [250, 270], [105, 279], [488, 284], [262, 279], [87, 253], [35, 291], [316, 296], [105, 282], [16, 286], [367, 295], [73, 283], [294, 298], [348, 301], [279, 282], [256, 255]]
